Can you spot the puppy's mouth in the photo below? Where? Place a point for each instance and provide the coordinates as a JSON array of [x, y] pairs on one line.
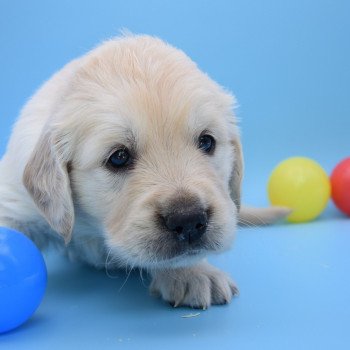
[[169, 252]]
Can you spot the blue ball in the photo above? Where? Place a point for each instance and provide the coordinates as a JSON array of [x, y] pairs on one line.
[[23, 278]]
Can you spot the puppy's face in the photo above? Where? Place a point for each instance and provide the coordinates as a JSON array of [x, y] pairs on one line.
[[153, 152]]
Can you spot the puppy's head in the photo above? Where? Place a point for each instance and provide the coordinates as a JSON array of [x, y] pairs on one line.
[[146, 144]]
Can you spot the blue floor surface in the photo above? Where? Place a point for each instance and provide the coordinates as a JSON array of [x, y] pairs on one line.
[[294, 282]]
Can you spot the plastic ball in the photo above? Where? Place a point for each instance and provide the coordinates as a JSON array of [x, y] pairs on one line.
[[302, 185], [23, 278], [340, 181]]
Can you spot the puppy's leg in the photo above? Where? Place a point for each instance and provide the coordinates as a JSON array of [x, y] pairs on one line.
[[198, 286]]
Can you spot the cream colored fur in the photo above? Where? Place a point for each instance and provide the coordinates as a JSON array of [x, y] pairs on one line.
[[141, 93]]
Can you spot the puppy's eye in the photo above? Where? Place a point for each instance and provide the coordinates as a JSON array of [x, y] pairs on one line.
[[207, 144], [120, 158]]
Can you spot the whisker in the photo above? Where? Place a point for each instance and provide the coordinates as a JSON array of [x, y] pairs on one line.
[[142, 277], [112, 261], [248, 223], [126, 279]]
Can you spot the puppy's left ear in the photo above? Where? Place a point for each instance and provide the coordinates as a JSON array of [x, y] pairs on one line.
[[237, 174], [46, 179]]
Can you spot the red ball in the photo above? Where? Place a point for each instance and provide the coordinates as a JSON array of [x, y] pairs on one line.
[[340, 182]]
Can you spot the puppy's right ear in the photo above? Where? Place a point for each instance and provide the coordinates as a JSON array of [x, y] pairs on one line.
[[46, 179]]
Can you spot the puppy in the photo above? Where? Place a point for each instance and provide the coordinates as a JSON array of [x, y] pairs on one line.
[[130, 155]]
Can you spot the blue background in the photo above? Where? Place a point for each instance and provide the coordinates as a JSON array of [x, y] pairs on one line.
[[288, 63]]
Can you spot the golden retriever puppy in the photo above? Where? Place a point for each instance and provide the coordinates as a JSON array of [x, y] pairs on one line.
[[131, 155]]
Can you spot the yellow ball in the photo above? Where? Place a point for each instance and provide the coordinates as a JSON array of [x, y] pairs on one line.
[[301, 184]]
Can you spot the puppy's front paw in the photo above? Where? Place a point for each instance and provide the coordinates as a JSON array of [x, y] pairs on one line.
[[198, 286]]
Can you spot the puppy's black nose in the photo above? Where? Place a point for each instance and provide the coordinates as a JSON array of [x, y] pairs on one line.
[[188, 226]]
